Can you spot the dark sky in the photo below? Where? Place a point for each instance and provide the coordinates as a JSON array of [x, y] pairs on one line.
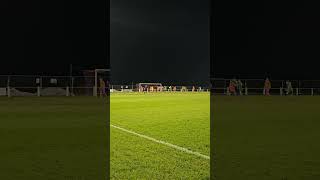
[[151, 40], [277, 38], [160, 40], [44, 37]]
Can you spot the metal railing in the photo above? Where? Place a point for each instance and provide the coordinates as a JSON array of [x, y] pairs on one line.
[[256, 87], [36, 85]]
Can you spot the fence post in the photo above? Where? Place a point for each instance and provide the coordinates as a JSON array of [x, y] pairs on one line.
[[38, 91], [8, 81], [67, 93], [95, 91], [40, 81], [72, 82], [8, 91], [225, 86], [246, 91], [297, 91], [281, 91], [311, 91]]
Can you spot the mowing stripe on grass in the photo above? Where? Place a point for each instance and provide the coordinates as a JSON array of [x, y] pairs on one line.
[[162, 142]]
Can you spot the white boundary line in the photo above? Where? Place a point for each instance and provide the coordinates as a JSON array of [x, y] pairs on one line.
[[163, 142]]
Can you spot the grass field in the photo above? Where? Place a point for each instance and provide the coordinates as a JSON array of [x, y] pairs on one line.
[[181, 119], [65, 138], [255, 137], [266, 138], [52, 138]]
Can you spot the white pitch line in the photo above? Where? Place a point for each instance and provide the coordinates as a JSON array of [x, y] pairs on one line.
[[163, 142]]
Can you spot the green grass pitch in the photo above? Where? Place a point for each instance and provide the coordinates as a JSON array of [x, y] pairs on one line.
[[255, 137], [266, 138], [181, 119], [65, 137], [53, 138]]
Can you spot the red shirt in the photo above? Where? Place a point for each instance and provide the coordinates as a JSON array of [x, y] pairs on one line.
[[267, 84]]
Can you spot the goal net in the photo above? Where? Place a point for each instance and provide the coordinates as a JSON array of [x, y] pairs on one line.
[[149, 87]]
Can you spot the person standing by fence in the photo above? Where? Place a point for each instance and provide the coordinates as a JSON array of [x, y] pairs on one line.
[[174, 88], [102, 88], [267, 87], [232, 87], [289, 88]]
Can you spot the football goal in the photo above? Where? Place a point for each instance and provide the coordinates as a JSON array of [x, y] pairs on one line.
[[150, 87]]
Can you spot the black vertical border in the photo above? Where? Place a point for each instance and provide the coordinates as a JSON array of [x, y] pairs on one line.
[[212, 60], [107, 46]]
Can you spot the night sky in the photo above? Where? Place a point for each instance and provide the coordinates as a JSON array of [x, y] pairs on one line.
[[161, 40], [150, 40], [45, 37], [258, 38]]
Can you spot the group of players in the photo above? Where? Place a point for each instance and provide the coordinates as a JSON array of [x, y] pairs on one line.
[[236, 86], [167, 88]]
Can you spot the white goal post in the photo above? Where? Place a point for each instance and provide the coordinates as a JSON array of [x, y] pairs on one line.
[[96, 77]]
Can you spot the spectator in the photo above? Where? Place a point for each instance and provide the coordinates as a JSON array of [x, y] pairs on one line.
[[289, 88], [102, 88], [267, 87], [232, 87], [174, 88]]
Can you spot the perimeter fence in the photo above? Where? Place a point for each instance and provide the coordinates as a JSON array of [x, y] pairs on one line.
[[278, 87], [34, 85]]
